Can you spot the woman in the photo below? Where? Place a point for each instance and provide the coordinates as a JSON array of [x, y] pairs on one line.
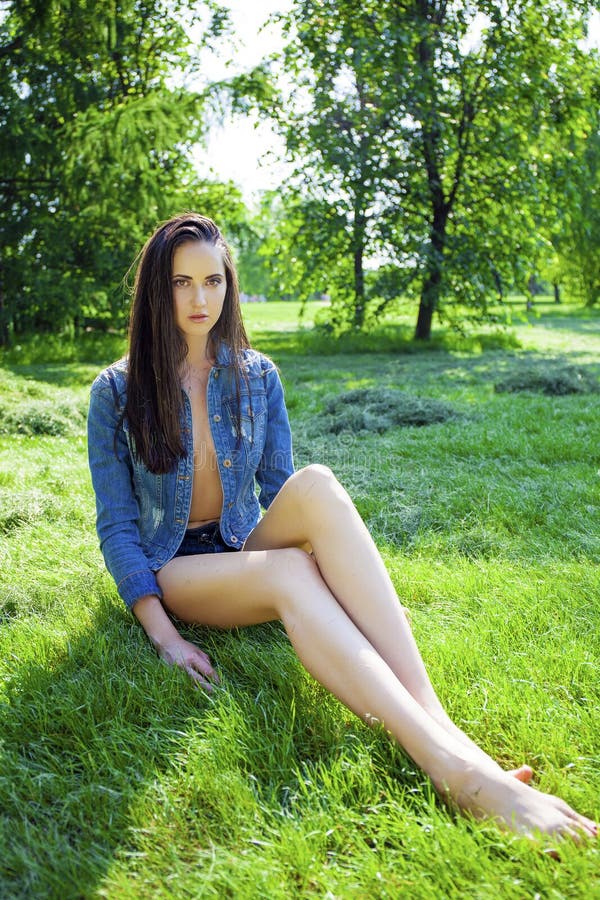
[[178, 433]]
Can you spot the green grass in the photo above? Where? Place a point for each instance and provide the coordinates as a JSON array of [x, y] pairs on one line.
[[118, 779]]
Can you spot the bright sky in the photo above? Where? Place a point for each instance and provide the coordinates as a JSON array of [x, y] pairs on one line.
[[239, 150]]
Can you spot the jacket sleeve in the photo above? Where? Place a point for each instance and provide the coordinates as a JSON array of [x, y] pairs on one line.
[[277, 463], [117, 509]]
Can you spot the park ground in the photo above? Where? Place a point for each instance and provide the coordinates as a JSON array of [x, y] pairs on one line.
[[119, 779]]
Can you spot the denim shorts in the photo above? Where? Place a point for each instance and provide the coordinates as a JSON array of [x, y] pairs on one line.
[[204, 539]]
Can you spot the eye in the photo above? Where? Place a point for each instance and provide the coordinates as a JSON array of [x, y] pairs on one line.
[[215, 281], [180, 282]]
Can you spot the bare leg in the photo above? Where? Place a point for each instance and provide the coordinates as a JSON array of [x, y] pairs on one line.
[[241, 589], [313, 508]]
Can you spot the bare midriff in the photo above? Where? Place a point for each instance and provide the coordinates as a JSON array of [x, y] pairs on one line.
[[207, 493]]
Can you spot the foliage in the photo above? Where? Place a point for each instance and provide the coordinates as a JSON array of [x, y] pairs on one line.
[[419, 124], [281, 254], [96, 133], [576, 237]]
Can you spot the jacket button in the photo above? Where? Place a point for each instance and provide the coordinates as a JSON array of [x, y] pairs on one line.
[[215, 374], [227, 463], [233, 539], [216, 418]]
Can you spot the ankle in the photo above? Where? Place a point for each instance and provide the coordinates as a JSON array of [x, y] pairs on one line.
[[465, 781]]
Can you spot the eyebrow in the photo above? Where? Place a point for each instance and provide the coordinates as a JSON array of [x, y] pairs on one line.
[[214, 275]]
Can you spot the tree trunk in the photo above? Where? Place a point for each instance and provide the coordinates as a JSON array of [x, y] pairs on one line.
[[430, 292], [4, 329], [498, 283], [359, 225], [556, 292], [359, 288]]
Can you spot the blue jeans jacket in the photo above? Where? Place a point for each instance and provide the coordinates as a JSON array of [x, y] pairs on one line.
[[142, 517]]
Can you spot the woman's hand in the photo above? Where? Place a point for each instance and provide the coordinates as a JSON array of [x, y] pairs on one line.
[[169, 644], [182, 653]]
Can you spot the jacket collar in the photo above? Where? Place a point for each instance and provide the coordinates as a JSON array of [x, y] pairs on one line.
[[224, 356]]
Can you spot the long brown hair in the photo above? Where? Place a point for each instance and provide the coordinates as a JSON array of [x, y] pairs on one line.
[[157, 348]]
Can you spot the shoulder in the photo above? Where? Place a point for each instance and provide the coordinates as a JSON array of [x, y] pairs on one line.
[[115, 373], [257, 363], [251, 361], [112, 380]]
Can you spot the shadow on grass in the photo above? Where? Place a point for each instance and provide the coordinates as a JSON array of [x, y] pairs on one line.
[[106, 750], [388, 339], [66, 375], [72, 760], [581, 325], [96, 347], [579, 319]]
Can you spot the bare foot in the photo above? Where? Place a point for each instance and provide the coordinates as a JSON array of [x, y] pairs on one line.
[[523, 773], [520, 808]]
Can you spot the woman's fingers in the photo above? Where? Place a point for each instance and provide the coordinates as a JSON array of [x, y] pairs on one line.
[[193, 661], [199, 680], [199, 665]]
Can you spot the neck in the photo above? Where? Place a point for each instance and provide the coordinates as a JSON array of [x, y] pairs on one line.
[[198, 354]]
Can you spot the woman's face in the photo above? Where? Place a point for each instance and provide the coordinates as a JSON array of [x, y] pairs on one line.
[[199, 284]]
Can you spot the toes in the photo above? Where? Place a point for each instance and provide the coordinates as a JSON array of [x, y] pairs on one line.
[[575, 834], [577, 830], [589, 828], [523, 773], [587, 825]]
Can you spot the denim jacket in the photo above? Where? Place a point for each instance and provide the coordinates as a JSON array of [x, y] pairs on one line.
[[142, 517]]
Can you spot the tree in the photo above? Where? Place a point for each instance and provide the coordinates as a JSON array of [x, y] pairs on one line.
[[573, 225], [95, 134], [420, 121], [340, 145], [578, 246], [291, 227]]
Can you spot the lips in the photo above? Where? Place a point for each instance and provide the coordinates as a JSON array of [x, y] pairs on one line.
[[198, 318]]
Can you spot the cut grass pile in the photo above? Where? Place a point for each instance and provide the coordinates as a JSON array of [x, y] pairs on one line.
[[554, 378], [379, 409], [118, 779], [32, 408]]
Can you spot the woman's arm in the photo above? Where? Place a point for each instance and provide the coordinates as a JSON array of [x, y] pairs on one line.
[[117, 514], [117, 510], [170, 645], [277, 462]]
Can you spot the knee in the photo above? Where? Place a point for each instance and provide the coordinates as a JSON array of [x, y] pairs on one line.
[[296, 565], [296, 569], [315, 482]]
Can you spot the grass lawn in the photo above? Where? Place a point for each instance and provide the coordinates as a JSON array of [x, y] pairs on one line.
[[118, 779]]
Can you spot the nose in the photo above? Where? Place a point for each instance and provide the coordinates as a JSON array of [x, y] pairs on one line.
[[199, 299]]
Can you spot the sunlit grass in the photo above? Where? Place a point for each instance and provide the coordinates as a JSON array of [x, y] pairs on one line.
[[118, 779]]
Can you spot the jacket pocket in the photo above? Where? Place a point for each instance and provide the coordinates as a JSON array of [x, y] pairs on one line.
[[149, 494], [248, 431]]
